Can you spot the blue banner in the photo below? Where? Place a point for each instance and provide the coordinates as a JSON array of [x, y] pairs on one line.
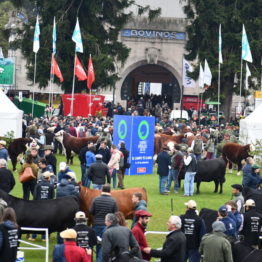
[[138, 134]]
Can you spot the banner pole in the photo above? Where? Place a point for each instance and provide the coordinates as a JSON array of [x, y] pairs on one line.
[[241, 73], [73, 90], [33, 104], [218, 93]]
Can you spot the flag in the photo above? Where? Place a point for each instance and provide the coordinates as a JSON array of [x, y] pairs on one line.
[[220, 59], [56, 70], [207, 74], [77, 38], [79, 70], [248, 74], [91, 73], [36, 44], [54, 37], [201, 77], [246, 53], [187, 81]]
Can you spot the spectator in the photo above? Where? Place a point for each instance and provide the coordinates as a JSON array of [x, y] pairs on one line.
[[234, 214], [139, 204], [163, 163], [118, 242], [101, 206], [98, 173], [210, 147], [50, 157], [63, 170], [9, 232], [139, 231], [43, 167], [194, 228], [191, 168], [90, 159], [121, 219], [174, 248], [34, 152], [3, 150], [41, 141], [122, 169], [67, 186], [7, 181], [254, 179], [238, 197], [247, 170], [29, 186], [197, 146], [114, 163], [215, 247], [104, 151], [82, 158]]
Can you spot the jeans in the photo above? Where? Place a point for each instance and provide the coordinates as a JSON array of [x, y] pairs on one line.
[[193, 255], [83, 174], [198, 156], [114, 177], [97, 187], [99, 230], [173, 176], [189, 183], [162, 183], [85, 180]]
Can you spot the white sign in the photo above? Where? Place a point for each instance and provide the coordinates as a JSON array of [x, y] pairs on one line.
[[20, 96]]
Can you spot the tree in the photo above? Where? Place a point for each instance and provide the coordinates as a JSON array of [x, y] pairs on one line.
[[100, 23], [205, 17]]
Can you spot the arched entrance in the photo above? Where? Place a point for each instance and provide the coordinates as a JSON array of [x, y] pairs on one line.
[[151, 73]]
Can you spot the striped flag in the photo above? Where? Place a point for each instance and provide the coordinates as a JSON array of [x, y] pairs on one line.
[[220, 59], [36, 44], [77, 38], [246, 52], [54, 37]]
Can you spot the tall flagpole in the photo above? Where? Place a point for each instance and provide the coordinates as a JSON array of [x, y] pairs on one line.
[[90, 94], [52, 84], [33, 104], [218, 93], [73, 90], [241, 73]]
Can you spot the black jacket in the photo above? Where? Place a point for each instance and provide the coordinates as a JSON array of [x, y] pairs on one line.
[[44, 190], [82, 155], [86, 236], [105, 152], [174, 248], [7, 181], [51, 160], [98, 172], [125, 153], [163, 161]]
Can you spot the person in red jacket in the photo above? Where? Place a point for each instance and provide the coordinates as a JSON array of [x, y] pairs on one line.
[[69, 251], [139, 231]]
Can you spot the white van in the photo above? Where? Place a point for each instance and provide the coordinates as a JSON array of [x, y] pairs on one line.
[[176, 114]]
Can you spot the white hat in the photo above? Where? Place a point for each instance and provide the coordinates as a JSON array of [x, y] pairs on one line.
[[62, 166], [191, 204], [80, 214], [68, 233], [47, 174], [99, 156], [106, 130], [2, 142], [250, 203]]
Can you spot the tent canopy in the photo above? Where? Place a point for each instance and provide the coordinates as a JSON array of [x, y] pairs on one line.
[[251, 127], [10, 117]]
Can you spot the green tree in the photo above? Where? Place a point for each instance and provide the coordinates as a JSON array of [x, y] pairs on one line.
[[204, 17], [100, 23]]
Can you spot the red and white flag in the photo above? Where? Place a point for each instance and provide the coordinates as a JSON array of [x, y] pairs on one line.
[[56, 70], [91, 73], [79, 70]]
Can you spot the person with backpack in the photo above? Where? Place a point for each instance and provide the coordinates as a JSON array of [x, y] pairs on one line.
[[122, 165], [197, 146]]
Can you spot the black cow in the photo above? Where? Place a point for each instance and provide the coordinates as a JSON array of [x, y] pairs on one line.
[[256, 195], [209, 216], [211, 170], [240, 251], [54, 214], [254, 256]]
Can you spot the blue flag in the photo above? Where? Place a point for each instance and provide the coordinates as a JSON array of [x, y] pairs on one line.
[[77, 38], [54, 37], [36, 43], [246, 53]]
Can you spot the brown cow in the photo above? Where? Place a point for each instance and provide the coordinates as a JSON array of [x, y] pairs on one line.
[[235, 153], [123, 199]]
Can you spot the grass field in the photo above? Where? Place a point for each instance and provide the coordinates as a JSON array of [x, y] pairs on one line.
[[158, 205]]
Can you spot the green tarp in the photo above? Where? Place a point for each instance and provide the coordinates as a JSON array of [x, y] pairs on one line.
[[212, 103]]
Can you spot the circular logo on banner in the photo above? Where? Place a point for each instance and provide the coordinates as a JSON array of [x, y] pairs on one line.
[[122, 131], [141, 133]]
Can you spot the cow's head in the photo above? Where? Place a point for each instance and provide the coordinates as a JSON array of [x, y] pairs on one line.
[[171, 145], [252, 148], [59, 136]]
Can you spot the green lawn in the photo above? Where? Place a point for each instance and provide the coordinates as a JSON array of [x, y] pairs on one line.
[[158, 205]]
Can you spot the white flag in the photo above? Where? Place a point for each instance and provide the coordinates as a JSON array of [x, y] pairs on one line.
[[246, 53], [187, 81], [54, 37], [207, 74], [201, 77], [77, 38], [248, 74], [220, 59], [36, 44]]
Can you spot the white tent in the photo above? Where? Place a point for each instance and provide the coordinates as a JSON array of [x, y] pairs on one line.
[[251, 127], [10, 117]]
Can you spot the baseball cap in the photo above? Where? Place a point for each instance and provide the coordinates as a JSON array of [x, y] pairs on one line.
[[238, 187], [191, 204], [250, 203], [255, 166], [142, 213], [80, 214], [47, 174], [62, 166], [99, 156], [222, 209]]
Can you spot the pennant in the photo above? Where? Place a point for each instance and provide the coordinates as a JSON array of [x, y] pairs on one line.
[[54, 37], [56, 70], [201, 77], [246, 52], [207, 74], [187, 81], [248, 74], [77, 38], [36, 44], [91, 74], [79, 70], [220, 58]]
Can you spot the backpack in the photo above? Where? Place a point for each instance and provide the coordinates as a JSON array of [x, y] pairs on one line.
[[198, 147]]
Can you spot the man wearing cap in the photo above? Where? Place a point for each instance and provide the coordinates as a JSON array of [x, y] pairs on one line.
[[194, 228], [3, 150], [139, 229], [215, 247], [174, 247], [98, 173], [69, 251], [7, 181], [252, 224], [238, 197], [50, 157], [67, 186], [230, 224], [63, 170], [86, 236]]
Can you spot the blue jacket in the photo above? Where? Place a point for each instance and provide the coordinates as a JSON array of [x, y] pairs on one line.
[[3, 153], [90, 158], [65, 188], [247, 170], [252, 180], [237, 217], [163, 161], [230, 224], [62, 174]]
